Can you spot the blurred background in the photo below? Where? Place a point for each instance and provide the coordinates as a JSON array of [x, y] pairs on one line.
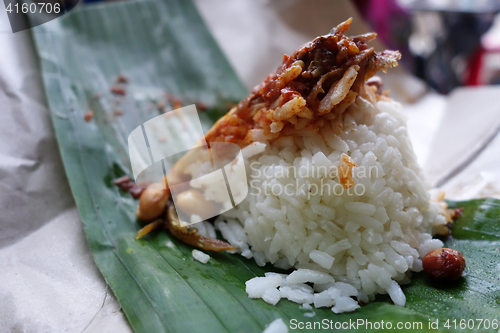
[[445, 43]]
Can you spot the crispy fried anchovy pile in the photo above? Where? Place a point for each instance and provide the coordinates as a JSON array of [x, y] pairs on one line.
[[325, 72]]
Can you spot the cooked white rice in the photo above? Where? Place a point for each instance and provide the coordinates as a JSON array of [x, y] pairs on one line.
[[200, 256], [348, 245]]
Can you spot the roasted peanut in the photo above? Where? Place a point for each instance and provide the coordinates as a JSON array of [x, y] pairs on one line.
[[152, 202], [88, 116], [193, 202], [444, 264], [178, 180]]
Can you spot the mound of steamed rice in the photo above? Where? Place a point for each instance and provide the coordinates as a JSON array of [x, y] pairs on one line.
[[346, 246]]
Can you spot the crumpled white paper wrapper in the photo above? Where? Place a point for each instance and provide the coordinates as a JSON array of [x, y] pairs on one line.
[[49, 281]]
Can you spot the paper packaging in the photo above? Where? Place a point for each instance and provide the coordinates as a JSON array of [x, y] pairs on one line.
[[49, 280]]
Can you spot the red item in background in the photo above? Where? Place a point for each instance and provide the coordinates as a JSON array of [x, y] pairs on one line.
[[474, 68], [483, 66]]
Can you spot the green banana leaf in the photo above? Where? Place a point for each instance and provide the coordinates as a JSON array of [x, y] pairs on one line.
[[163, 46]]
